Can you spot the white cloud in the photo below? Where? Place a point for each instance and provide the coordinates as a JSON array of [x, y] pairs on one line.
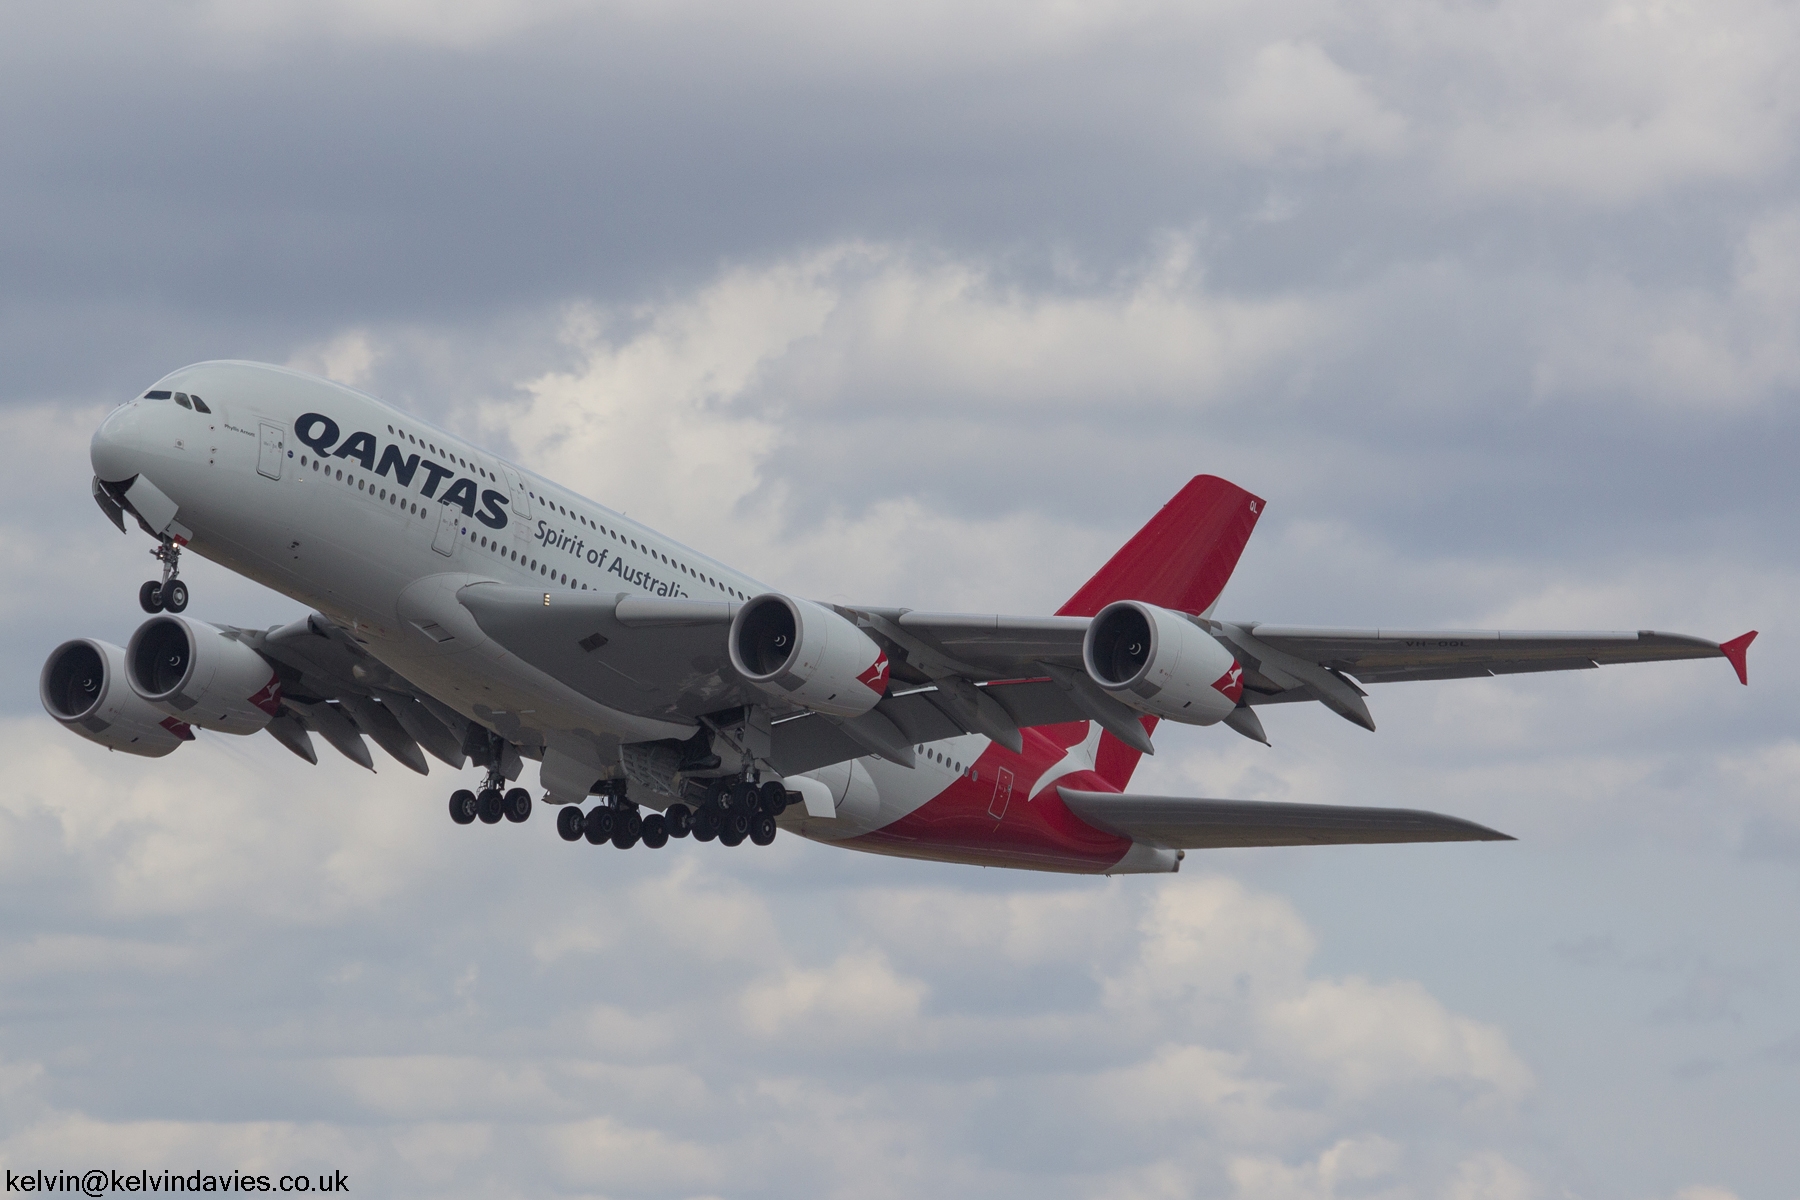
[[1708, 349], [1293, 104]]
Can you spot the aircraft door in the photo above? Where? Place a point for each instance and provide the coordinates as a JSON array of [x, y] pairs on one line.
[[268, 458], [1003, 785], [449, 521], [521, 499]]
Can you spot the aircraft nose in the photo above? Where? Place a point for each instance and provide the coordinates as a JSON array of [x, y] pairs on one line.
[[115, 445]]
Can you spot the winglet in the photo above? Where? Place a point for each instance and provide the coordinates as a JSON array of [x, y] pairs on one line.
[[1735, 650]]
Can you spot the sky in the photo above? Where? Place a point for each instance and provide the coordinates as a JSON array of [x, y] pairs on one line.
[[1497, 304]]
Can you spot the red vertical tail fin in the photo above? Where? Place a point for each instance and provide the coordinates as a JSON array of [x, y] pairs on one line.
[[1181, 559]]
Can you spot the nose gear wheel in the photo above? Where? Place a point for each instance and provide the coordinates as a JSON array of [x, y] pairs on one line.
[[168, 594]]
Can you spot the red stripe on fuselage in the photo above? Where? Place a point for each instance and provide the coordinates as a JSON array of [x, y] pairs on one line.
[[958, 824]]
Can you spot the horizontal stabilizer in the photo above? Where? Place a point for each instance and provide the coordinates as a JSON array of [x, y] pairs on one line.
[[1185, 823]]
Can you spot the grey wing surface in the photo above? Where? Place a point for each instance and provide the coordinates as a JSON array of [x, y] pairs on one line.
[[1185, 823], [1393, 656]]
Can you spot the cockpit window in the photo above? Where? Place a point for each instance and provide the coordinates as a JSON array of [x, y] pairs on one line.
[[156, 395], [200, 404], [181, 399]]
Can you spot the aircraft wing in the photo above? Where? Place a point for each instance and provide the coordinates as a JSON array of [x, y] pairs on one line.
[[1183, 823], [1390, 656], [994, 674]]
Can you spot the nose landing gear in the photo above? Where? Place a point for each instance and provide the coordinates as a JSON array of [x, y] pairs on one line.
[[168, 594]]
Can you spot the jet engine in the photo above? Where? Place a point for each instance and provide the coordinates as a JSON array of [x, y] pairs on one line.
[[1161, 663], [193, 671], [83, 686], [806, 654]]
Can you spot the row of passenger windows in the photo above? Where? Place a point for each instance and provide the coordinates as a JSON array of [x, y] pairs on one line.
[[544, 500], [444, 453], [573, 516], [363, 485], [634, 544], [424, 510], [946, 760], [181, 398]]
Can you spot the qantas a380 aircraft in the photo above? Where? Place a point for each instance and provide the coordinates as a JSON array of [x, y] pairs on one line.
[[468, 608]]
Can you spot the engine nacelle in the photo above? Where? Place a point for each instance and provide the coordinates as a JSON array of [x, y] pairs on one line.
[[191, 670], [804, 653], [1161, 663], [83, 686]]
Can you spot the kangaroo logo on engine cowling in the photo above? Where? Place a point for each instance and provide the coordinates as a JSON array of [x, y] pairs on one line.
[[876, 677], [392, 460], [1231, 683]]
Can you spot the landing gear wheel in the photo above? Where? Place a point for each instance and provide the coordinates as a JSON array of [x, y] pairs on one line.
[[730, 835], [734, 827], [569, 822], [490, 806], [627, 826], [774, 799], [679, 819], [705, 825], [656, 831], [598, 827], [518, 805], [762, 829], [174, 595], [150, 597], [462, 806], [744, 797]]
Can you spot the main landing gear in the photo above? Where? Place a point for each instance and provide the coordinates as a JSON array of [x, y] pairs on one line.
[[731, 811], [169, 594], [490, 804]]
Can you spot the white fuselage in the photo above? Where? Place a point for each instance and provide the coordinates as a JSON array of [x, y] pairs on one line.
[[377, 519]]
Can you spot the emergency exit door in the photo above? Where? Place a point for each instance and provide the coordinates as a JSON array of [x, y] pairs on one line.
[[449, 526], [271, 451]]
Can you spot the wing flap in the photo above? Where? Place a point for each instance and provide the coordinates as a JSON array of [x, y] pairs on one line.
[[1187, 823]]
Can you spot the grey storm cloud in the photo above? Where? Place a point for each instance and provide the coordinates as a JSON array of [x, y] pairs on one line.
[[1494, 304]]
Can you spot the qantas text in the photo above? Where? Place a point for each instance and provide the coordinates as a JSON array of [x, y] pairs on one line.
[[321, 433]]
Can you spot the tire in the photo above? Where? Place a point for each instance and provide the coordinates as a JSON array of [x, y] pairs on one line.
[[705, 826], [774, 798], [462, 806], [598, 827], [723, 795], [744, 797], [730, 836], [656, 831], [569, 822], [627, 826], [150, 597], [490, 806], [174, 596], [762, 829], [518, 805], [679, 819], [736, 824]]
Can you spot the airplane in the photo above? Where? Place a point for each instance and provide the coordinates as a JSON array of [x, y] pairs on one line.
[[465, 607]]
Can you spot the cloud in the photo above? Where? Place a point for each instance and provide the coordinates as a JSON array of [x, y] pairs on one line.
[[934, 305], [1293, 104]]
